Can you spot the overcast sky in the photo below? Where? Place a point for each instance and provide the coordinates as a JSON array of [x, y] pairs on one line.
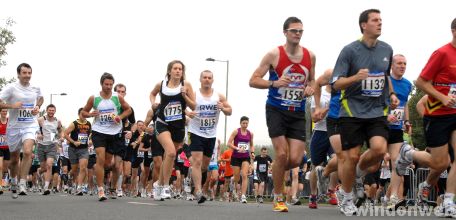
[[69, 44]]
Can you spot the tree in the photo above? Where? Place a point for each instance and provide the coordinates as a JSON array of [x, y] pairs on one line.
[[6, 37], [416, 120]]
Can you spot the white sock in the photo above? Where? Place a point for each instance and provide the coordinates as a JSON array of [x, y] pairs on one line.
[[277, 197], [347, 195], [448, 201], [425, 183], [22, 182], [46, 184]]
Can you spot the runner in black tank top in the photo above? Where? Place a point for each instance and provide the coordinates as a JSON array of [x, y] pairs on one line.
[[175, 95]]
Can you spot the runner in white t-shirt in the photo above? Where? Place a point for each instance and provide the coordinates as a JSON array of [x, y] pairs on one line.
[[23, 101]]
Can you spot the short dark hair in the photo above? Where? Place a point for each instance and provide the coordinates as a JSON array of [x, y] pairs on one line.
[[26, 65], [80, 110], [119, 85], [106, 76], [50, 106], [244, 118], [364, 17], [453, 24], [289, 21], [263, 148]]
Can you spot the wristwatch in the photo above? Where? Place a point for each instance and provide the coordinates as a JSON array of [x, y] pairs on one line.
[[271, 83]]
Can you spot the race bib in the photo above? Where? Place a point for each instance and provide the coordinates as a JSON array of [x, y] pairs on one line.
[[83, 138], [25, 113], [293, 94], [141, 154], [399, 114], [207, 123], [107, 118], [373, 85], [173, 111], [452, 92], [444, 174], [262, 168], [2, 140], [244, 146]]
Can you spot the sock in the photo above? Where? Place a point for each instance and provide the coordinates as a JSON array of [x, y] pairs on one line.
[[448, 201], [100, 189], [278, 197], [347, 195], [203, 177], [22, 182], [13, 181], [46, 184], [360, 173]]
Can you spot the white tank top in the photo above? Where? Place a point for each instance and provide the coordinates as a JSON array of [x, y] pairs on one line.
[[108, 109], [214, 158], [204, 124]]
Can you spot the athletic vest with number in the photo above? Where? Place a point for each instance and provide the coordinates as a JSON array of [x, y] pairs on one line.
[[108, 109], [3, 144], [50, 131], [204, 124], [291, 97], [242, 141], [81, 133], [172, 106]]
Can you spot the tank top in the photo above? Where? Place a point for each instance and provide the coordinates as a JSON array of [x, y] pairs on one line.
[[81, 133], [3, 144], [290, 98], [242, 141], [108, 109], [214, 158], [204, 124], [172, 106], [49, 131]]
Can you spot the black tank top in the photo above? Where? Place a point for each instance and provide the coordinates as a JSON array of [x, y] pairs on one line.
[[81, 133], [172, 108]]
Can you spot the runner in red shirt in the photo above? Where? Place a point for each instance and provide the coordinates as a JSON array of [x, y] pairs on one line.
[[4, 151], [438, 80]]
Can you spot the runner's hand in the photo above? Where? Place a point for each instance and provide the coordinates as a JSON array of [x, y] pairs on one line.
[[362, 74], [308, 91], [282, 82]]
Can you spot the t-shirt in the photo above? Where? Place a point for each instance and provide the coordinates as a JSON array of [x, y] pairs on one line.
[[324, 103], [365, 99], [441, 70], [262, 163], [227, 156], [28, 95], [402, 87]]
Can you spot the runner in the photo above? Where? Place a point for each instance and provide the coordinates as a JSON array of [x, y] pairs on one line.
[[241, 141], [264, 162], [228, 173], [24, 102], [203, 129], [4, 151], [361, 74], [175, 95], [291, 74], [77, 134], [398, 122], [438, 80], [108, 109]]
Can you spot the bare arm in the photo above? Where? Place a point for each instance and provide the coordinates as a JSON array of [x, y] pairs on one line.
[[67, 134], [86, 110], [224, 106], [126, 108], [429, 89], [189, 96], [252, 146], [421, 105], [231, 140], [153, 95], [345, 82]]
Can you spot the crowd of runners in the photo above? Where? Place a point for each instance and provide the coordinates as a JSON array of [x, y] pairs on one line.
[[174, 153]]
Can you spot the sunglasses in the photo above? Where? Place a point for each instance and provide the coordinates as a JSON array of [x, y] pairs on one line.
[[295, 31]]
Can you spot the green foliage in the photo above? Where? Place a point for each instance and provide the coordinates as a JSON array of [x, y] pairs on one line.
[[4, 82], [6, 37], [416, 120]]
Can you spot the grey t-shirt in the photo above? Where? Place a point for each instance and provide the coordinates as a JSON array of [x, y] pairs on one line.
[[365, 99]]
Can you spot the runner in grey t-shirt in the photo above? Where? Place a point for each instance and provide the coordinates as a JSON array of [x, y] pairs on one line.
[[361, 74]]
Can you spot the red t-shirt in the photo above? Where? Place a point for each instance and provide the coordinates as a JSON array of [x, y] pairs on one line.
[[227, 156], [441, 70], [3, 144]]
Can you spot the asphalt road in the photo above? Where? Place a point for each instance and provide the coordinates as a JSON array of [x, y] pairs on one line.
[[68, 207]]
